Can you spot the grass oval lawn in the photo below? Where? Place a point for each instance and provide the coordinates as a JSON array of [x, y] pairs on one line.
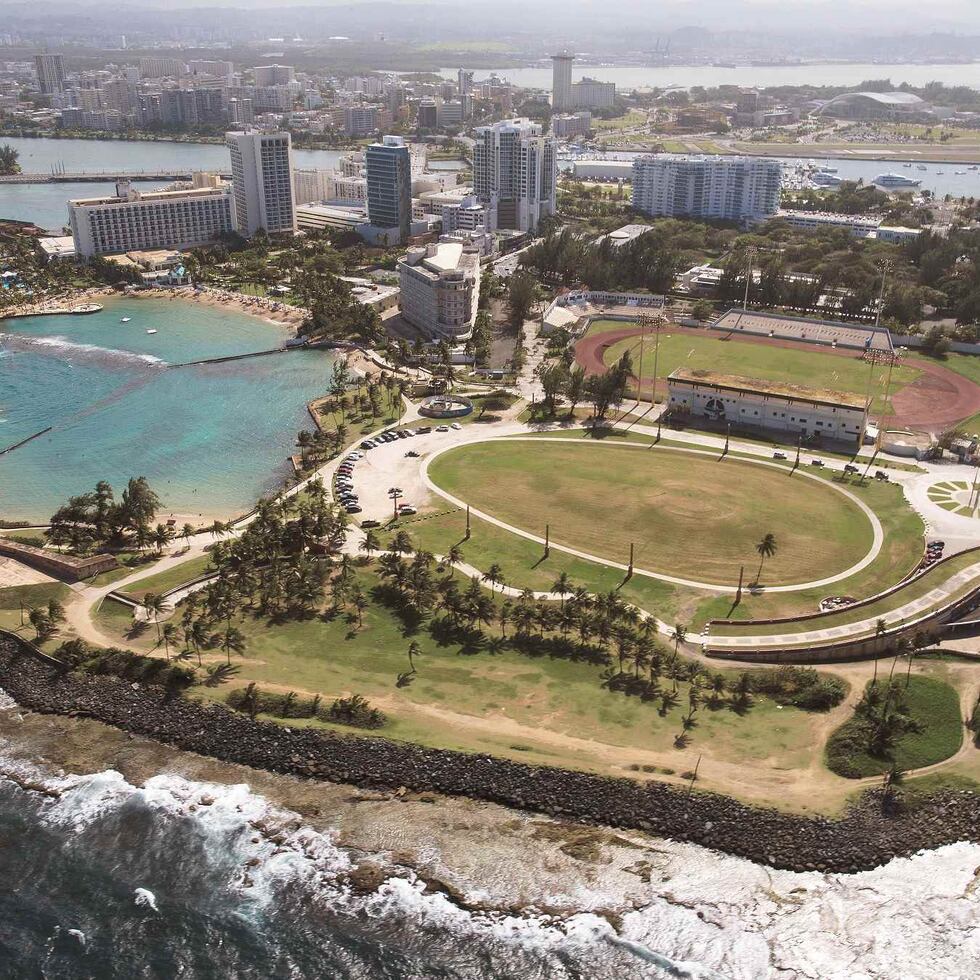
[[748, 359], [688, 515]]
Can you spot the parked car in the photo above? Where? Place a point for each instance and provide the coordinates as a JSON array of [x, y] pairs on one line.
[[367, 444], [422, 429], [881, 475], [407, 509], [816, 462], [353, 509], [403, 433], [442, 428], [779, 455], [370, 523], [850, 468]]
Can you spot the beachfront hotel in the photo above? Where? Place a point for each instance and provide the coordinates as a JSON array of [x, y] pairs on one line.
[[135, 220], [440, 289], [262, 182]]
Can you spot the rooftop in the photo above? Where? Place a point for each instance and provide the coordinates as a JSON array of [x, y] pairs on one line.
[[781, 389]]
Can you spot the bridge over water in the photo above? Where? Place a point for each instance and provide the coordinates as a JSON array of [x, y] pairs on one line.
[[100, 176]]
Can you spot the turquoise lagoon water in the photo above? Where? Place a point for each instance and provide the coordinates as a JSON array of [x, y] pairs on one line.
[[210, 439]]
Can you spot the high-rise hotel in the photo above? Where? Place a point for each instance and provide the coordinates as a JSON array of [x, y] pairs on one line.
[[262, 182]]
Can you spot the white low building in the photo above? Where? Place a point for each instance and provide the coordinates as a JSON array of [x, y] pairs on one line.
[[440, 289], [804, 411]]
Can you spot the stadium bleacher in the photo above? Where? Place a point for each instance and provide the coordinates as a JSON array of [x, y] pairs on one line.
[[827, 333]]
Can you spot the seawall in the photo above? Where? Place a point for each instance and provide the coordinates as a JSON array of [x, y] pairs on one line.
[[863, 839]]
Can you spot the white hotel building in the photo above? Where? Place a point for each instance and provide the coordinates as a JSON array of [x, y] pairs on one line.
[[440, 289], [262, 182], [136, 221], [804, 411], [710, 187]]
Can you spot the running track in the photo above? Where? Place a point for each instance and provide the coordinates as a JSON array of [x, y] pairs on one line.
[[936, 400]]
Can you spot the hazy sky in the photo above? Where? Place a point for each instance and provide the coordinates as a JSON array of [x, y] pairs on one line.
[[557, 17]]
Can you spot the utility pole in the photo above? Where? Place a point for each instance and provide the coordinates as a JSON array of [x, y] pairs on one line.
[[395, 494], [738, 592], [728, 436], [467, 522], [547, 540], [629, 571]]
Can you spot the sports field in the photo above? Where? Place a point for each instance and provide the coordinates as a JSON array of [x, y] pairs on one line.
[[688, 515], [764, 361]]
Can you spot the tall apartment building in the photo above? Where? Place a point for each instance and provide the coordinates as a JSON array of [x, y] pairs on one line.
[[363, 120], [440, 289], [464, 87], [312, 185], [273, 75], [561, 81], [574, 124], [262, 182], [50, 70], [133, 220], [241, 111], [161, 67], [590, 93], [389, 186], [515, 171], [723, 188], [182, 107]]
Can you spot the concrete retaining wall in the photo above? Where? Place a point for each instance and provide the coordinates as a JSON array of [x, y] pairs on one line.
[[66, 567]]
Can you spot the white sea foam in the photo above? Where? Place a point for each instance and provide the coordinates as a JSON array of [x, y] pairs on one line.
[[70, 347], [145, 899], [705, 915]]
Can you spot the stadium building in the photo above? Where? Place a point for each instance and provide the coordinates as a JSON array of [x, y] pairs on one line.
[[801, 410]]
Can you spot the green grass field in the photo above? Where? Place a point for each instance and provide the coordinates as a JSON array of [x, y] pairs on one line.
[[539, 709], [753, 360], [687, 515], [932, 703], [164, 581]]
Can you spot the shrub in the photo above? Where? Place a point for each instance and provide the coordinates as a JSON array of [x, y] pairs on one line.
[[124, 664], [31, 540], [355, 711], [800, 687]]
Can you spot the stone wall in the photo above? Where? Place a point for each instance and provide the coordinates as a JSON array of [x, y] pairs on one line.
[[864, 839], [66, 567]]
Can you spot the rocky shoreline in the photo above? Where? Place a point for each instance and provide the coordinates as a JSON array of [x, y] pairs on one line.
[[864, 839]]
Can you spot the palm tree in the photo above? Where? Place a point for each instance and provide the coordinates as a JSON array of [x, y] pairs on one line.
[[170, 635], [414, 650], [494, 575], [232, 639], [562, 587], [155, 604], [187, 532], [766, 548], [197, 635], [454, 557], [504, 614], [880, 629], [360, 603], [370, 543]]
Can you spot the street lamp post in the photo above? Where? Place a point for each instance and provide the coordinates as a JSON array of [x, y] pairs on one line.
[[395, 494]]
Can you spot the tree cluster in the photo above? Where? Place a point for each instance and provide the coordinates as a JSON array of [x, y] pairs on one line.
[[97, 519]]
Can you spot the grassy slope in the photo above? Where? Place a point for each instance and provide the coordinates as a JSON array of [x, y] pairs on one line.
[[475, 701], [688, 515], [751, 360], [170, 579], [935, 705]]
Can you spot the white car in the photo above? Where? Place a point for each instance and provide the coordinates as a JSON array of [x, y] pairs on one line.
[[442, 428], [455, 425]]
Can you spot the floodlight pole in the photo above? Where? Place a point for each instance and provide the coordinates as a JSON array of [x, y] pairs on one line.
[[885, 268], [658, 322], [547, 540], [467, 522], [629, 571], [738, 592]]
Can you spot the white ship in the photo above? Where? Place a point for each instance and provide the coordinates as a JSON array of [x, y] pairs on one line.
[[895, 180]]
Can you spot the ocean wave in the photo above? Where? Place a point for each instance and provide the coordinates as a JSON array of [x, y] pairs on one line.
[[704, 915], [62, 345]]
